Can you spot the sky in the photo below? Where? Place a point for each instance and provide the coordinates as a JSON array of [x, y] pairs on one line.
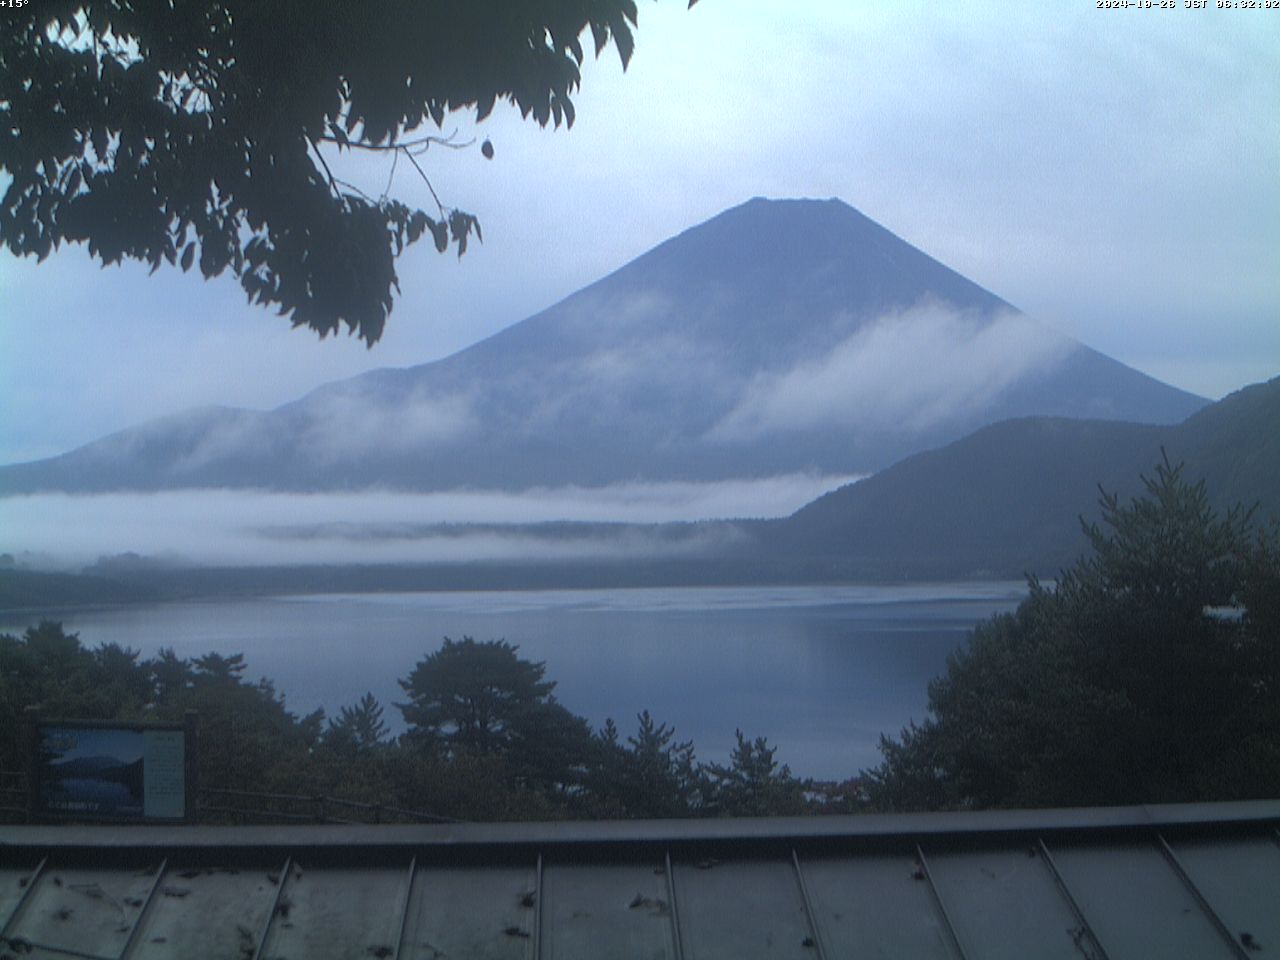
[[1112, 173]]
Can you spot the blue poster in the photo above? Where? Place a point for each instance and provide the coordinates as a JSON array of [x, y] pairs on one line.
[[121, 773]]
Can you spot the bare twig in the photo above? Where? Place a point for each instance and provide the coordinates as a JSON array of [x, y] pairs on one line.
[[427, 181], [333, 183], [395, 159], [418, 144], [356, 190]]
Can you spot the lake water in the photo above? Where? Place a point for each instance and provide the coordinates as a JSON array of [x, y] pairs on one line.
[[102, 797], [820, 671]]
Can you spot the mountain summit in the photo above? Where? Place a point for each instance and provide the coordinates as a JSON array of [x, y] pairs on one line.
[[779, 336]]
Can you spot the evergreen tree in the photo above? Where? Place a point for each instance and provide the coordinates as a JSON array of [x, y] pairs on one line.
[[653, 775], [473, 697], [1150, 673], [359, 728], [753, 784]]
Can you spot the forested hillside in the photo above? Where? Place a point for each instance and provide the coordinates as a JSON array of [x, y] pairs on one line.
[[1007, 499]]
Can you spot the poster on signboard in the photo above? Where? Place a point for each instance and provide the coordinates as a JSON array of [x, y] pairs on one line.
[[102, 771]]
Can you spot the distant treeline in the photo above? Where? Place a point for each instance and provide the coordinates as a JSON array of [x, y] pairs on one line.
[[109, 584]]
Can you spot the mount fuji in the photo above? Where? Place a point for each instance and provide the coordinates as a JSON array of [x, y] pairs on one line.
[[778, 337]]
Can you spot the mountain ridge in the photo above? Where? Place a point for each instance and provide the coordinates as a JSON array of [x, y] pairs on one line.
[[694, 361], [1007, 499], [1003, 502]]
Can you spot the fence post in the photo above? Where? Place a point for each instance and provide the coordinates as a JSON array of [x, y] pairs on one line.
[[31, 743], [191, 766]]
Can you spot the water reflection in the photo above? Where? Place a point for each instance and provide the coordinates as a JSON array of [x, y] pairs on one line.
[[820, 671]]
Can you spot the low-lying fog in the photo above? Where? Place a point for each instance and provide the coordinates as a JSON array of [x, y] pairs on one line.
[[233, 527]]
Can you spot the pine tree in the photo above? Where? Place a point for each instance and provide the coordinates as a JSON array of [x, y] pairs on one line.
[[1149, 673]]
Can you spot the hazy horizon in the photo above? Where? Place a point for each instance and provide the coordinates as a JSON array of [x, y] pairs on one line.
[[59, 531]]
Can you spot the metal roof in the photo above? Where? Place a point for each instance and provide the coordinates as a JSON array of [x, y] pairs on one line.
[[1196, 881]]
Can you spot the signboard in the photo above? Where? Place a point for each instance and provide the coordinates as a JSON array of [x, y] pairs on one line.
[[87, 770]]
